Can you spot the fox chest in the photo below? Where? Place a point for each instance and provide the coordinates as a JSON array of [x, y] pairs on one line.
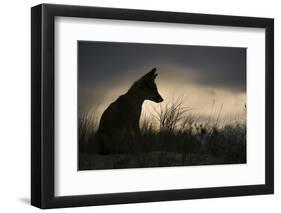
[[131, 115]]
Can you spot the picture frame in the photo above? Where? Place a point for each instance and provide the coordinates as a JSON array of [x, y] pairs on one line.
[[43, 128]]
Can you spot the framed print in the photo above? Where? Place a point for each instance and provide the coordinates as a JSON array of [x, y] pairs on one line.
[[139, 106]]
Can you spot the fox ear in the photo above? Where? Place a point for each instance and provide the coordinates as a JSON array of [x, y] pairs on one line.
[[151, 75]]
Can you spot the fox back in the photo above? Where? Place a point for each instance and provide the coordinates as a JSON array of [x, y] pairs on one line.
[[119, 124]]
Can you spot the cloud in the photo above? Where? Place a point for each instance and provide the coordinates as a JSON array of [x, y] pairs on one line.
[[106, 62]]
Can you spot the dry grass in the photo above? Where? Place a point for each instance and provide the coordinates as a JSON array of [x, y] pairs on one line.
[[172, 136]]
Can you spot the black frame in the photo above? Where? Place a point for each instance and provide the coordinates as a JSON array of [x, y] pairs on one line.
[[42, 105]]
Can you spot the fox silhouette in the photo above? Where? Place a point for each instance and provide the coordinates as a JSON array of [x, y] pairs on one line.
[[119, 124]]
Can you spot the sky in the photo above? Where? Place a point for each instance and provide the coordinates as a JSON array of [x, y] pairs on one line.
[[207, 79]]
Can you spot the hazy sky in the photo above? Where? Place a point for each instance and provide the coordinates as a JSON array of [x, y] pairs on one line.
[[205, 77]]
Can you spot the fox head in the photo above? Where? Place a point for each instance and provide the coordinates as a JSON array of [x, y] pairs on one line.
[[147, 88]]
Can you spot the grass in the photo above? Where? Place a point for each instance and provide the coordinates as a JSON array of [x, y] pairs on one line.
[[172, 136]]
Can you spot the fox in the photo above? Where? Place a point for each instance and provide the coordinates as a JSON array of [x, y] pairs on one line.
[[119, 123]]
